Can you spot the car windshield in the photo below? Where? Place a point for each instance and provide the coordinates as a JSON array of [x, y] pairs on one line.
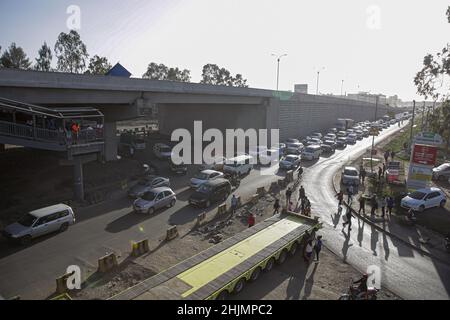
[[27, 220], [341, 139], [350, 172], [201, 176], [149, 196], [204, 188], [309, 150], [417, 195], [290, 159], [328, 142]]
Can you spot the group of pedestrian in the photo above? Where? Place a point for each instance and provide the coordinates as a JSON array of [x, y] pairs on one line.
[[312, 245], [387, 154], [385, 203]]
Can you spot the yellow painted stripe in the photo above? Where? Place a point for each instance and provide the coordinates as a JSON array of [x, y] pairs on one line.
[[212, 268]]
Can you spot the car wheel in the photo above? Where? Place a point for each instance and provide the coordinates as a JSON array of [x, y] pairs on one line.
[[269, 265], [25, 240], [293, 249], [223, 295], [151, 210], [63, 227], [442, 204], [421, 208], [282, 257], [239, 286], [255, 274], [172, 203]]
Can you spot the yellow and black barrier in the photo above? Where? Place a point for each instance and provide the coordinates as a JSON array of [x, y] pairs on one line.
[[108, 262], [61, 283], [140, 247], [171, 233]]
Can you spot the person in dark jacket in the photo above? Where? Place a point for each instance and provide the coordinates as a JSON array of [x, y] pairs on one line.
[[318, 247]]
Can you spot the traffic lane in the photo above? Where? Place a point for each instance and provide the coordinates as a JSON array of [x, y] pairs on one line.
[[30, 271], [402, 267]]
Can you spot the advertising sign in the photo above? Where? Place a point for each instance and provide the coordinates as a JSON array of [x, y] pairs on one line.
[[423, 154]]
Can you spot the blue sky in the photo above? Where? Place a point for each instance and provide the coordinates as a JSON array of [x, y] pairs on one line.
[[377, 50]]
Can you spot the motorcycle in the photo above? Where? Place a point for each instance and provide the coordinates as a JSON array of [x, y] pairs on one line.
[[354, 294]]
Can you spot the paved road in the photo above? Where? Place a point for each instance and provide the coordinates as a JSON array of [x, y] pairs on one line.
[[403, 270], [109, 227]]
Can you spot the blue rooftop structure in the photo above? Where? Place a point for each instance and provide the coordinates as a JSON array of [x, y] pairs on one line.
[[118, 71]]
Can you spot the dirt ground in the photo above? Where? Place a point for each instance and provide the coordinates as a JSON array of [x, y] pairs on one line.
[[193, 240]]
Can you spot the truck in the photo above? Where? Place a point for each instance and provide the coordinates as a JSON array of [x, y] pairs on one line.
[[226, 267], [130, 142], [344, 124]]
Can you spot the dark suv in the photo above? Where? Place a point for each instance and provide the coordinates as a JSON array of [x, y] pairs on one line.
[[211, 191]]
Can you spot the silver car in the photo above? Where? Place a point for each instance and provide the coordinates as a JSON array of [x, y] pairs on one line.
[[350, 176], [442, 172], [146, 184], [40, 222], [155, 199]]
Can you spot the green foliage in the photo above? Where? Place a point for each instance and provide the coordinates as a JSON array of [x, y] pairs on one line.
[[71, 52], [213, 74], [162, 72], [14, 57], [98, 65], [43, 62]]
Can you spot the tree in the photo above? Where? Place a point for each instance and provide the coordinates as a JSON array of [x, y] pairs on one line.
[[430, 81], [162, 72], [71, 52], [43, 62], [213, 74], [98, 65], [14, 57]]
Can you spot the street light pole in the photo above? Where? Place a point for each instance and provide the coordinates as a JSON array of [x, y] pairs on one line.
[[373, 137], [318, 75], [278, 66], [342, 86]]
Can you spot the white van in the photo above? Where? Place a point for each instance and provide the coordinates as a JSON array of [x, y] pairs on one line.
[[241, 165], [312, 152]]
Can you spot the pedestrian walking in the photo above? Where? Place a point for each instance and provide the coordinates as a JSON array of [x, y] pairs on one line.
[[234, 204], [386, 156], [363, 174], [288, 195], [383, 206], [374, 205], [301, 193], [384, 168], [392, 155], [340, 197], [318, 247], [350, 192], [362, 204], [380, 173], [276, 206], [348, 215], [390, 205], [307, 209], [251, 220], [308, 251]]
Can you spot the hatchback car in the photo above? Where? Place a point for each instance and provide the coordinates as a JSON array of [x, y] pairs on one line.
[[328, 146], [442, 172], [155, 199], [146, 184], [211, 191], [204, 176], [351, 138], [290, 161], [422, 199], [341, 142], [40, 222], [350, 176]]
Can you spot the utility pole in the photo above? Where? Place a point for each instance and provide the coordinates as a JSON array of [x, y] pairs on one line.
[[373, 137], [412, 124], [317, 86], [278, 66]]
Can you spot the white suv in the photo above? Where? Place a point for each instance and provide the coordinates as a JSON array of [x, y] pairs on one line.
[[422, 199]]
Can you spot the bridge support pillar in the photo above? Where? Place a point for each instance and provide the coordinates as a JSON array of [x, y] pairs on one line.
[[2, 147], [111, 141], [78, 184]]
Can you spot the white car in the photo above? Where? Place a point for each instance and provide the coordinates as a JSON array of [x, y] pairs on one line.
[[162, 151], [330, 136], [155, 199], [203, 176], [350, 176], [290, 162], [442, 172], [317, 135], [312, 152], [314, 141], [294, 148], [422, 199]]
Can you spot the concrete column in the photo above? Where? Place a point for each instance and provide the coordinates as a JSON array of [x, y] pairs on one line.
[[2, 147], [111, 141], [78, 186]]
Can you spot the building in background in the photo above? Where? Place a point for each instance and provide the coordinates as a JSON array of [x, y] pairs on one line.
[[301, 88], [367, 97]]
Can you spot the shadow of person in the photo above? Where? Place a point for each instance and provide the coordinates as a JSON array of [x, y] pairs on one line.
[[385, 243], [346, 245], [374, 240], [309, 283], [361, 225]]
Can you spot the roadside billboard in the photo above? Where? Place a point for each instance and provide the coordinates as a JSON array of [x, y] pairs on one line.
[[422, 161]]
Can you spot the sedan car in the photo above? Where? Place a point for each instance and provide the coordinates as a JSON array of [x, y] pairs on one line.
[[146, 184], [204, 176], [314, 141], [442, 172], [351, 138], [350, 176], [422, 199], [328, 146], [290, 162], [155, 199], [341, 142]]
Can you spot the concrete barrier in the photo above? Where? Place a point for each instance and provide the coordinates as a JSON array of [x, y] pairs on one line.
[[261, 191], [171, 233], [61, 283], [124, 184], [140, 247], [201, 218], [222, 209], [108, 262]]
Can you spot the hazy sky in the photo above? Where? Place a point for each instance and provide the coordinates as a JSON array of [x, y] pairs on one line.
[[377, 45]]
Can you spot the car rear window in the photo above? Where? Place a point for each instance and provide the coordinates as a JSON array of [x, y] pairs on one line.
[[348, 172]]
